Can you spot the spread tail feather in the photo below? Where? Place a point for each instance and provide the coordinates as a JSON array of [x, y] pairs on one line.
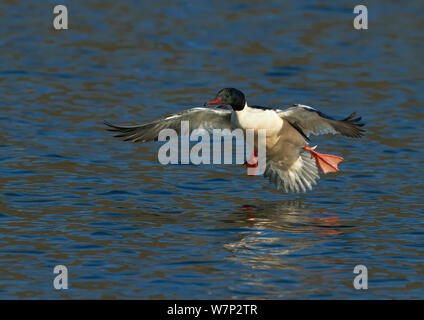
[[301, 176]]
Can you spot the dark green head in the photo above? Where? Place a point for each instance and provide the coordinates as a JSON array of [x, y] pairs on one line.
[[230, 96]]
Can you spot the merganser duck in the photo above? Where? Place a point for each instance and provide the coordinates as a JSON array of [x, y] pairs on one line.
[[290, 163]]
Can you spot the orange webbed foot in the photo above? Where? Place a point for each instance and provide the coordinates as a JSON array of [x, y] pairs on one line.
[[327, 162]]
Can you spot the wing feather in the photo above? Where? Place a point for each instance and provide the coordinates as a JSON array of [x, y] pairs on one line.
[[199, 118], [313, 122]]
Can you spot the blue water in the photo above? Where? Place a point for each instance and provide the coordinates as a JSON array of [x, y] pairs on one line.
[[128, 227]]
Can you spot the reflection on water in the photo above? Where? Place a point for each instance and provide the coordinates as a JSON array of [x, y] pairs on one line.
[[259, 249], [128, 227]]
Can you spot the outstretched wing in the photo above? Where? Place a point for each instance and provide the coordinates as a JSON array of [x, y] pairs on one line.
[[199, 118], [313, 122]]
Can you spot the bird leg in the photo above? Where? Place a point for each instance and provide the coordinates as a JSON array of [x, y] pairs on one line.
[[252, 164]]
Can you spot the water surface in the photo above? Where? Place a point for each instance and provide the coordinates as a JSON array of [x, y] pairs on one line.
[[128, 227]]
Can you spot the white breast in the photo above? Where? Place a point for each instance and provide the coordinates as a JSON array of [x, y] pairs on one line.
[[252, 118]]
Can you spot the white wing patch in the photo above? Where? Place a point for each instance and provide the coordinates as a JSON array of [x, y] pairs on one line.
[[304, 106]]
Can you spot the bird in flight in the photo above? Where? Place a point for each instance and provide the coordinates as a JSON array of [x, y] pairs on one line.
[[291, 165]]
